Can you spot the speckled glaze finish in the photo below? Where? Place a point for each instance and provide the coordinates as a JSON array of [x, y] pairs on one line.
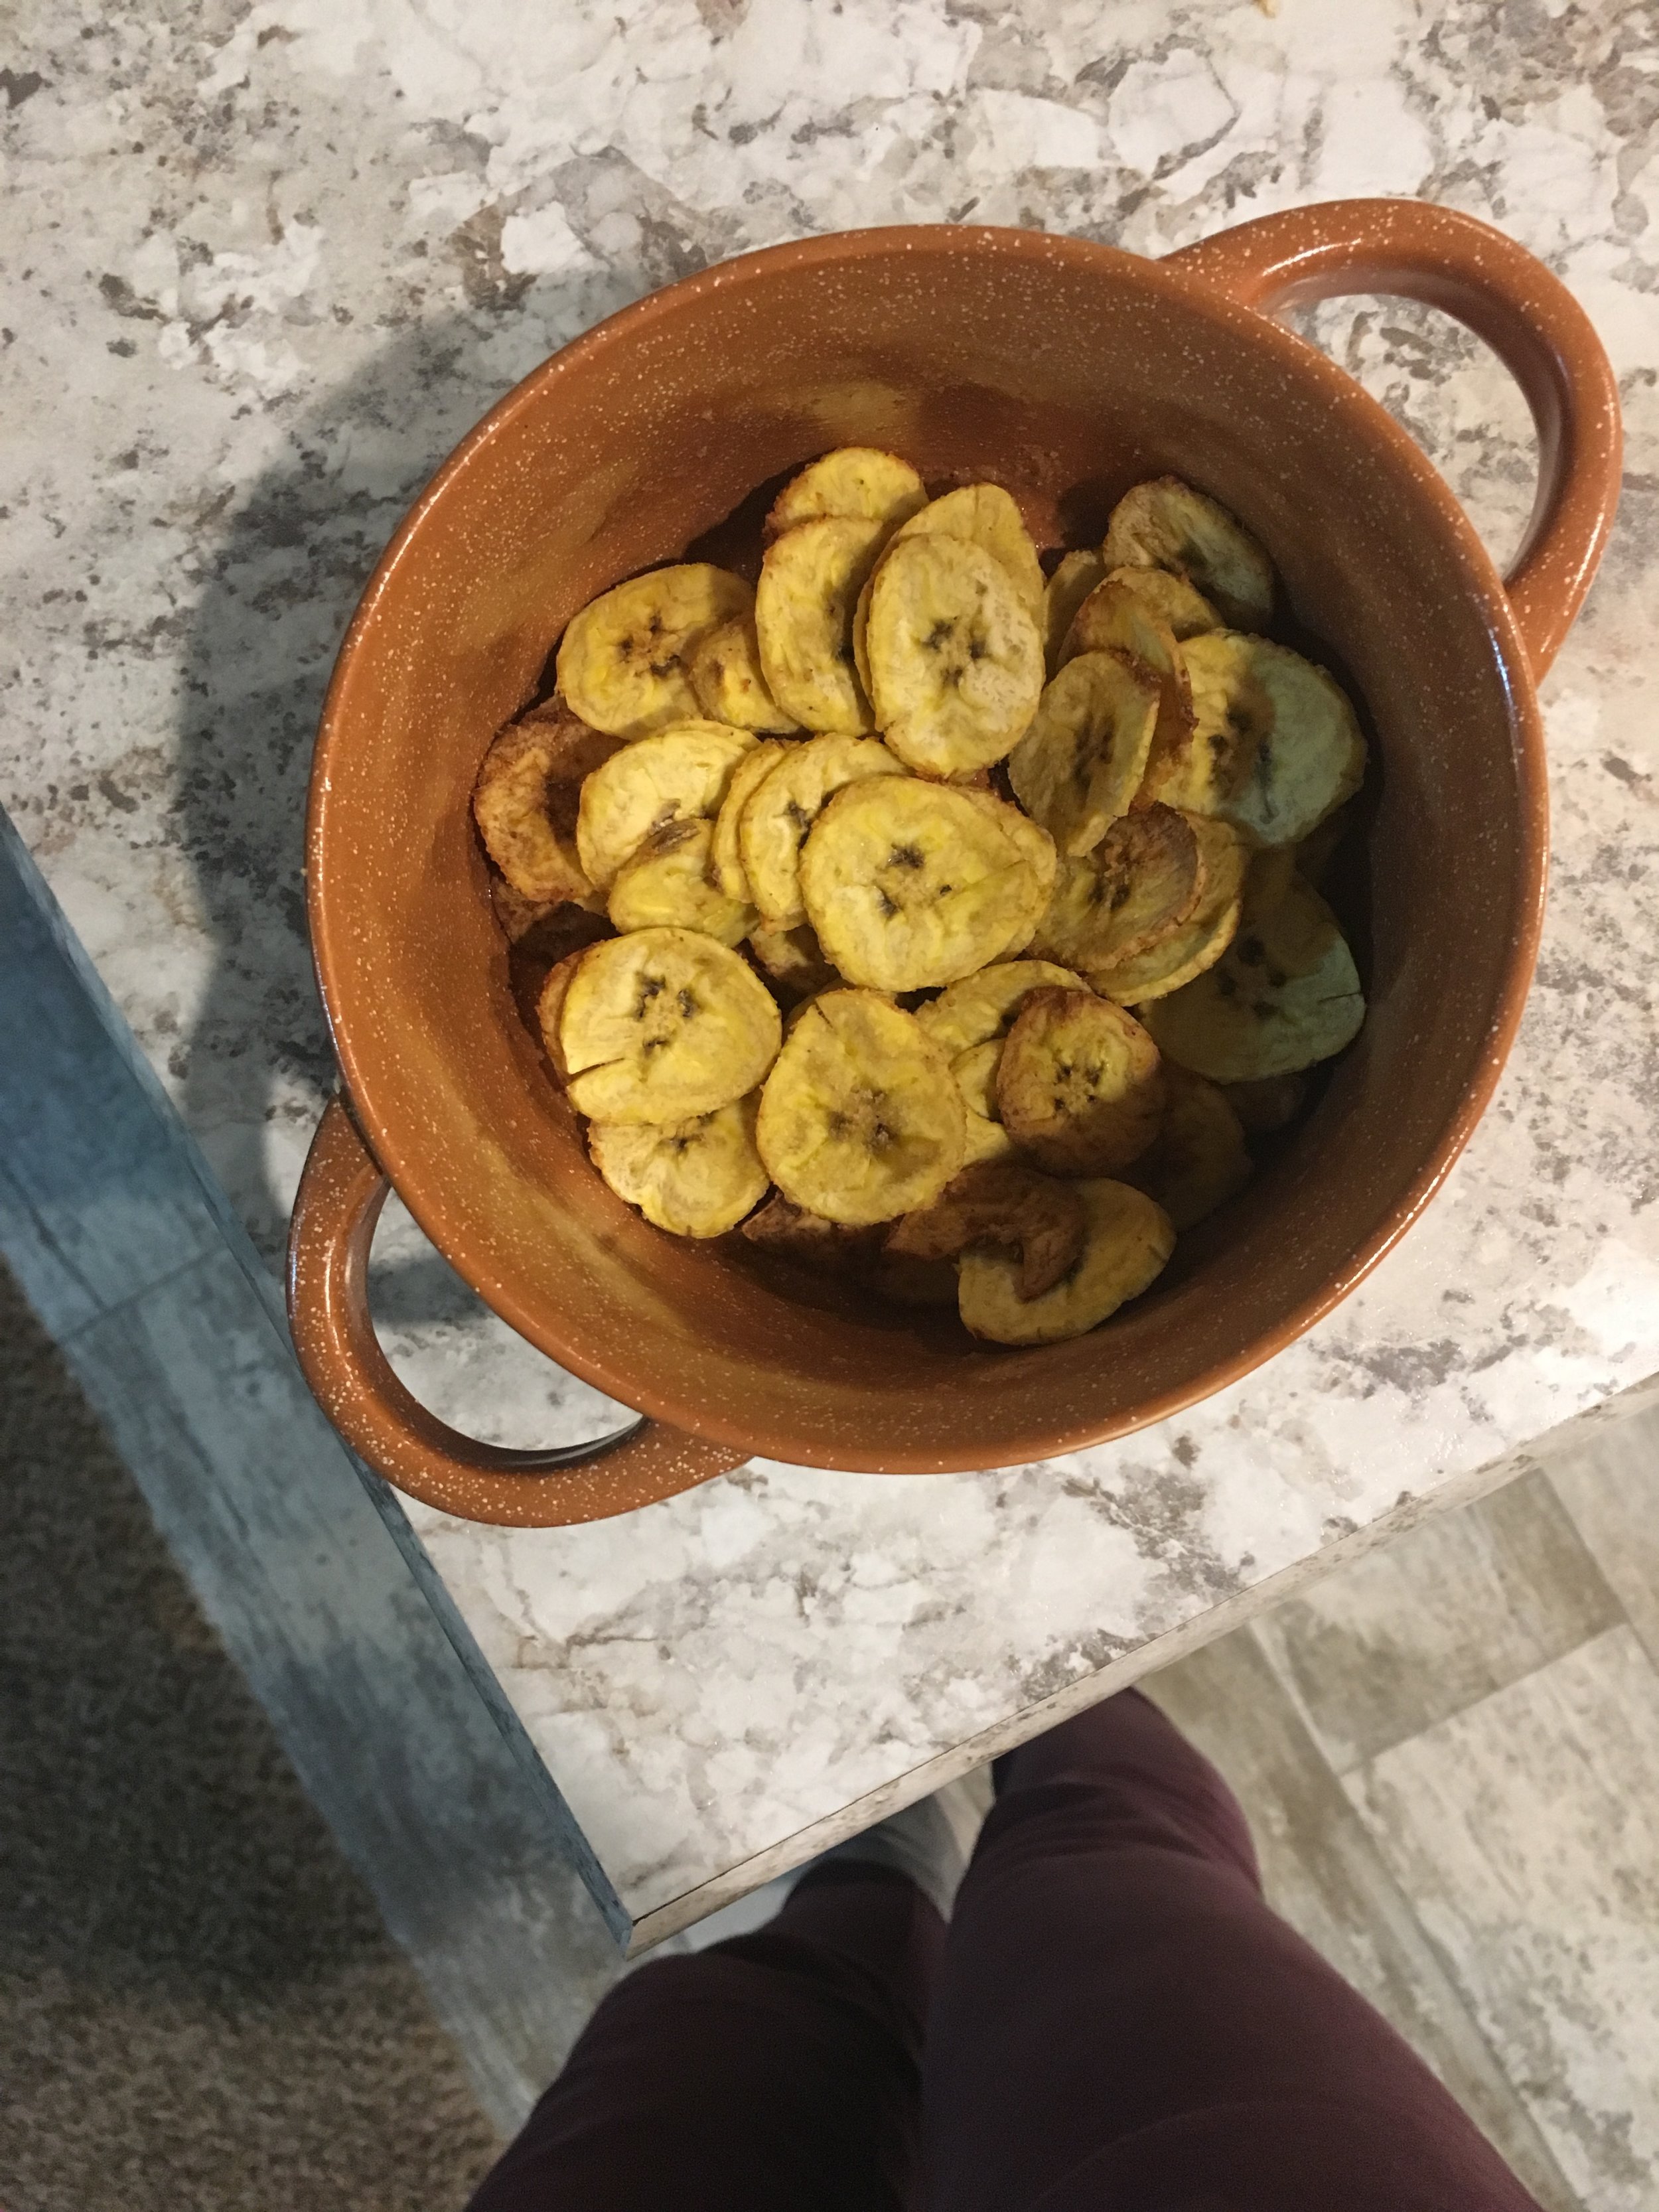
[[1066, 370]]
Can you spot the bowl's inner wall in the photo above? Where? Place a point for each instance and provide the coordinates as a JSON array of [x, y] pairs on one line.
[[1068, 380]]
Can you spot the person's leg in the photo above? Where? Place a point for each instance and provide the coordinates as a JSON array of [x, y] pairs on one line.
[[1123, 2023], [778, 2072]]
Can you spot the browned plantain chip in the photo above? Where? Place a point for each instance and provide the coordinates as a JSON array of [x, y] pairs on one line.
[[1115, 619], [1166, 524], [1198, 1161], [1201, 938], [1080, 1084], [794, 958], [1132, 892], [1006, 1203], [1127, 1241], [1081, 763], [525, 800], [783, 1227]]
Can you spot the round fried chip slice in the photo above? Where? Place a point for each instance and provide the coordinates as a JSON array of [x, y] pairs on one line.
[[780, 810], [1127, 1241], [623, 663], [910, 884], [680, 775], [1004, 1203], [1064, 594], [1284, 994], [808, 586], [955, 658], [1081, 763], [694, 1178], [1114, 619], [1204, 935], [1183, 611], [526, 799], [1132, 892], [860, 481], [1166, 524], [1198, 1160], [987, 516], [860, 1119], [665, 885], [976, 1072], [730, 683], [1080, 1082], [726, 866], [794, 958], [1274, 747], [550, 1007], [663, 1025], [984, 1004]]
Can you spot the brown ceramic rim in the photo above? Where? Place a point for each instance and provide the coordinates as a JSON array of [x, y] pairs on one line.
[[1402, 247]]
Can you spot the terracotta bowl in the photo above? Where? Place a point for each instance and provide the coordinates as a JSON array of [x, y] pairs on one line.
[[1066, 371]]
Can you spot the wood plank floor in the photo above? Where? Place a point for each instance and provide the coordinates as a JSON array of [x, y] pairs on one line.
[[1450, 1754]]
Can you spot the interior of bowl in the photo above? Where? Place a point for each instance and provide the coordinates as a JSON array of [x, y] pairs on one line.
[[1065, 372]]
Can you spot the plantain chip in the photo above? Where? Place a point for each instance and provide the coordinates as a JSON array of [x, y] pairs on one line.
[[910, 884], [1274, 747], [782, 808], [955, 658], [665, 885], [1080, 1082], [1081, 763], [1127, 1241], [1131, 893], [517, 914], [680, 774], [1166, 524], [550, 1008], [794, 958], [860, 1119], [1064, 594], [1201, 938], [1183, 611], [1284, 995], [694, 1178], [525, 803], [623, 662], [1198, 1160], [1006, 1204], [976, 1072], [983, 1005], [1114, 619], [830, 1247], [730, 683], [725, 867], [661, 1025], [858, 481], [1269, 1103], [987, 516], [809, 585]]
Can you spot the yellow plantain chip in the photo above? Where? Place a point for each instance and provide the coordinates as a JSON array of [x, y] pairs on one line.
[[1274, 746], [794, 958], [1006, 1204], [730, 686], [1065, 592], [526, 799], [696, 1178], [663, 1025], [680, 775], [1081, 763], [1114, 620], [859, 480], [955, 658], [983, 1005], [1284, 994], [725, 867], [987, 516], [860, 1119], [910, 884], [623, 662], [1201, 938], [1127, 1241], [1080, 1082], [1132, 892], [1198, 1161], [1269, 1103], [1182, 610], [809, 585], [665, 885], [975, 1072], [1166, 524], [782, 808]]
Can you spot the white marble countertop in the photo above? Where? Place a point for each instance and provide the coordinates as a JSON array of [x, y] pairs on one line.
[[263, 266]]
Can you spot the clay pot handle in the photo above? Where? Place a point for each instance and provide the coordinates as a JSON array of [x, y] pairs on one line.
[[342, 1192], [1506, 296]]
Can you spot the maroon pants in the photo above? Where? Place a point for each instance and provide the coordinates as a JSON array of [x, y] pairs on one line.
[[1115, 2020]]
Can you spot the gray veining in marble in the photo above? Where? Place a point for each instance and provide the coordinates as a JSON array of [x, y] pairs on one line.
[[264, 265]]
